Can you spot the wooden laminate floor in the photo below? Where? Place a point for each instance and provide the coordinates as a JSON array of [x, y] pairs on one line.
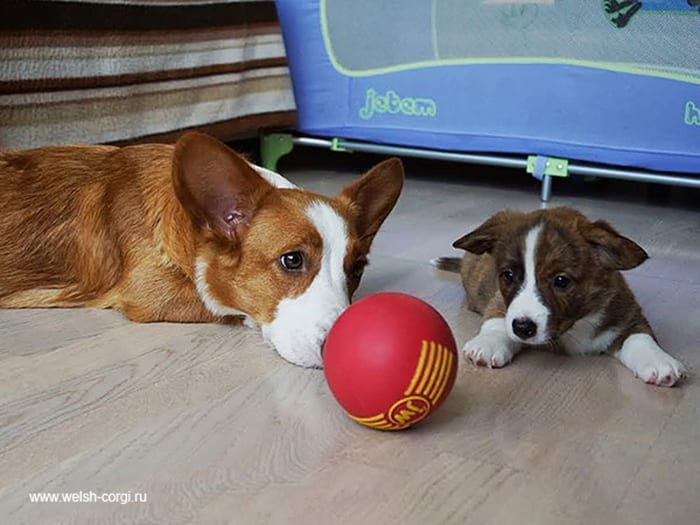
[[215, 428]]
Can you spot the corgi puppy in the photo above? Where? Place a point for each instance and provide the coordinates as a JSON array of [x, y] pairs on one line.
[[552, 277], [190, 232]]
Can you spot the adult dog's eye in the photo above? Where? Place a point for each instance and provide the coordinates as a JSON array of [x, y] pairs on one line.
[[561, 281], [358, 268], [292, 261], [508, 276]]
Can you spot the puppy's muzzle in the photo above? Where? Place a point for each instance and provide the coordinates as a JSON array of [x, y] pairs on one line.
[[524, 328]]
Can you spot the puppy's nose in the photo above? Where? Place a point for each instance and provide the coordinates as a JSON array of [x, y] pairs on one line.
[[524, 328]]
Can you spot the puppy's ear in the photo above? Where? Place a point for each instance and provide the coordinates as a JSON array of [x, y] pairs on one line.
[[218, 188], [612, 249], [483, 239], [373, 196]]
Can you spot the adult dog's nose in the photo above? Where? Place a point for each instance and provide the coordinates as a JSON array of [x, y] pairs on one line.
[[524, 328]]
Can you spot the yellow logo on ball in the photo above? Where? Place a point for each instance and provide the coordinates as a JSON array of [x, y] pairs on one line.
[[427, 385], [409, 410]]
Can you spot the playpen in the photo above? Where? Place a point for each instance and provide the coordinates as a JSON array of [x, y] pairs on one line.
[[609, 89]]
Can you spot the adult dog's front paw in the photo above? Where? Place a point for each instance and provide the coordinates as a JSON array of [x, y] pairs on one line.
[[643, 356], [488, 349]]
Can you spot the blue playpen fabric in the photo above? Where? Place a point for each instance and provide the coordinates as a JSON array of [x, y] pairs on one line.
[[614, 82]]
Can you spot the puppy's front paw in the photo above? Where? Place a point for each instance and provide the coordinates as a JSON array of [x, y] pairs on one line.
[[661, 371], [649, 362], [488, 350]]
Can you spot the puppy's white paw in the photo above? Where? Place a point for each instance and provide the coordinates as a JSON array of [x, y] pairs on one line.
[[488, 350], [649, 362], [491, 347], [663, 371]]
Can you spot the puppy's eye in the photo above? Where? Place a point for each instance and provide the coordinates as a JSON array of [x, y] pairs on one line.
[[561, 281], [292, 261], [358, 268], [508, 276]]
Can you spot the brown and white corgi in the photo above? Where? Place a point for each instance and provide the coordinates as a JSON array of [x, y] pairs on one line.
[[186, 233], [552, 277]]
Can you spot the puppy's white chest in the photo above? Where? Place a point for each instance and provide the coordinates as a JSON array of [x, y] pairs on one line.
[[584, 336]]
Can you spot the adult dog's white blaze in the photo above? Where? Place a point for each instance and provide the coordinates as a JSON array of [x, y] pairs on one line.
[[527, 303], [302, 323]]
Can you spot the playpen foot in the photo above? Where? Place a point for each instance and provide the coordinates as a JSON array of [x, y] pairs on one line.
[[273, 147], [546, 193]]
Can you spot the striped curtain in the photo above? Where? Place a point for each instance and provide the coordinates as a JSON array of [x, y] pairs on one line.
[[119, 71]]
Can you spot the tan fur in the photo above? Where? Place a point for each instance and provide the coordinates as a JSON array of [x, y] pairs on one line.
[[96, 226], [123, 228]]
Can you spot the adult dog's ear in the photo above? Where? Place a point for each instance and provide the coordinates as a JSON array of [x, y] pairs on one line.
[[482, 239], [373, 196], [612, 249], [217, 187]]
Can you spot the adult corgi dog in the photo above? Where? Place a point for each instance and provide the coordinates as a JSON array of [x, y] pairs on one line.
[[189, 232]]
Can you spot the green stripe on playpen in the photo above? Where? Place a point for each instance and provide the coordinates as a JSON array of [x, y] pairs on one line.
[[608, 66]]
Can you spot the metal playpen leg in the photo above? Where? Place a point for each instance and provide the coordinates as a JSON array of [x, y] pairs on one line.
[[546, 193]]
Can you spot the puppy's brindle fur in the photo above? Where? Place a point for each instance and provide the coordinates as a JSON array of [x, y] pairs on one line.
[[594, 312]]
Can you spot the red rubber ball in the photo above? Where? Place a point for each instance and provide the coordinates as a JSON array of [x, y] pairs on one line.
[[390, 360]]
